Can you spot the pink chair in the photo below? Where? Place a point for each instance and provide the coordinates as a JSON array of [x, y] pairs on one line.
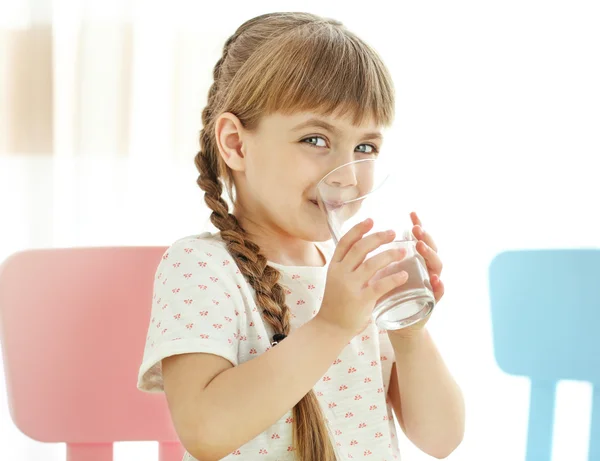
[[73, 324]]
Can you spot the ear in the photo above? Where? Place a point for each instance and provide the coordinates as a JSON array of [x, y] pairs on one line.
[[229, 133]]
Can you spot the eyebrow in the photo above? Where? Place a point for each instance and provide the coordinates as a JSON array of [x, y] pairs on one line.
[[328, 126]]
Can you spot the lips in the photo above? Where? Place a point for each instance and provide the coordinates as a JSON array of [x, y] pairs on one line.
[[328, 205], [333, 205]]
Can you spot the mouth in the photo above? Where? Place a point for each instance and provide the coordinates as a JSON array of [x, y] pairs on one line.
[[329, 205], [333, 205]]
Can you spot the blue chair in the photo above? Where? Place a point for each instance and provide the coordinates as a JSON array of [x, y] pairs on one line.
[[545, 308]]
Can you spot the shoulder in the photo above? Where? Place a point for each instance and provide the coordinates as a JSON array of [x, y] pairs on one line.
[[202, 250], [197, 246], [199, 255]]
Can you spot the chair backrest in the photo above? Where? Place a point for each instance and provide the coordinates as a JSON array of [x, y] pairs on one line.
[[73, 324], [545, 309]]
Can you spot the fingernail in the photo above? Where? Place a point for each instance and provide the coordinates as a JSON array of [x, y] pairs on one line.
[[368, 221], [391, 232]]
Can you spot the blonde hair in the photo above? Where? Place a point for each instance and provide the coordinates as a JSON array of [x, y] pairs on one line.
[[286, 62]]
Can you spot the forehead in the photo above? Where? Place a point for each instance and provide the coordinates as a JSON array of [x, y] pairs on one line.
[[338, 123]]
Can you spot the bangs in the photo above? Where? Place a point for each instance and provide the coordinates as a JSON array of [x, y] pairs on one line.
[[325, 70]]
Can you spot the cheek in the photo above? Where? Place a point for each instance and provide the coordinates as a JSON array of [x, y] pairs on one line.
[[292, 171], [261, 167], [366, 181], [279, 172]]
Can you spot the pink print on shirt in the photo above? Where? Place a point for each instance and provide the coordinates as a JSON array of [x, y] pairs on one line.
[[203, 304]]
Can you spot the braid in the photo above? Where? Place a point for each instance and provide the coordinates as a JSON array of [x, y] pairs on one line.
[[253, 265], [311, 437]]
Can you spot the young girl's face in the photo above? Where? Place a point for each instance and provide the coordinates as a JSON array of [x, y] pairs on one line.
[[285, 158]]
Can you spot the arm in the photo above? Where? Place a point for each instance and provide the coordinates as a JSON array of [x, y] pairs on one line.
[[218, 408], [427, 401]]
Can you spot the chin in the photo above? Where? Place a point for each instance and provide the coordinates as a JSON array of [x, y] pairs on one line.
[[317, 233], [311, 226], [322, 236]]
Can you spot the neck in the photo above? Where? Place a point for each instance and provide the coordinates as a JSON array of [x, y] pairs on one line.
[[279, 247]]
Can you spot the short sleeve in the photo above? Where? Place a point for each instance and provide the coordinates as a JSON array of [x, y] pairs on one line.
[[196, 307]]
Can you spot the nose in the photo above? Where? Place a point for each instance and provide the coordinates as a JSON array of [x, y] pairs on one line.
[[343, 177]]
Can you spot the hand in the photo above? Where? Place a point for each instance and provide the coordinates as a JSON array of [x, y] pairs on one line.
[[428, 249], [350, 295]]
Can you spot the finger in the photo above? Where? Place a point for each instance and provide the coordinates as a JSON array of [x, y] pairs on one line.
[[420, 233], [381, 262], [350, 238], [359, 251], [415, 219], [383, 286], [438, 288], [432, 259]]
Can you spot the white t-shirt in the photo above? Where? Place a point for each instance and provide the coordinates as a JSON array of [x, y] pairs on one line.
[[202, 303]]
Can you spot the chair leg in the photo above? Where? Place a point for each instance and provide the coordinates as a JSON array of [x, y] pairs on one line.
[[89, 452], [541, 421], [594, 452], [170, 451]]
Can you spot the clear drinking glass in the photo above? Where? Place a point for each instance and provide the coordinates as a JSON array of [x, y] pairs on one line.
[[365, 189]]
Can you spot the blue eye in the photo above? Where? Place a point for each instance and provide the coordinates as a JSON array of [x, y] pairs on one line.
[[371, 149], [307, 141], [368, 149]]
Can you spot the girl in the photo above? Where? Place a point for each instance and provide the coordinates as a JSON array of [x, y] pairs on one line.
[[261, 339]]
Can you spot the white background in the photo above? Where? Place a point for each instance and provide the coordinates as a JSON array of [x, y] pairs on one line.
[[498, 109]]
